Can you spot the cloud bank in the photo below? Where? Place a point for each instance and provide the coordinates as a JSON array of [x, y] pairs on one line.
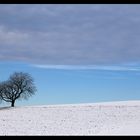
[[70, 34]]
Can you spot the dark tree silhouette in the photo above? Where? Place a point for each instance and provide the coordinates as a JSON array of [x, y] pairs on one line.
[[19, 86]]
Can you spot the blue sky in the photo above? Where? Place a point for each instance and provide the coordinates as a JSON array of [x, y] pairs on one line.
[[76, 53]]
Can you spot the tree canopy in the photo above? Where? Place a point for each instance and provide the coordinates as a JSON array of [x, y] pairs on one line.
[[19, 86]]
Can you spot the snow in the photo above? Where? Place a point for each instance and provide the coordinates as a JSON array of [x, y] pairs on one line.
[[111, 118]]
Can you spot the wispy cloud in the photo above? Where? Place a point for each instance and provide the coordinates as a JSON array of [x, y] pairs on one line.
[[88, 67]]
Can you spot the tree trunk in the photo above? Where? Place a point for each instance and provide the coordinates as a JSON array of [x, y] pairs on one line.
[[13, 103]]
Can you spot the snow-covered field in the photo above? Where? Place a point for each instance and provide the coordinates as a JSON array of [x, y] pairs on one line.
[[114, 118]]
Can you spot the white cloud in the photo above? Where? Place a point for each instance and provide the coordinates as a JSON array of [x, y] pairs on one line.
[[88, 67]]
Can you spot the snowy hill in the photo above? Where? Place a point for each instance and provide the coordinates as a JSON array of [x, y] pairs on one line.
[[112, 118]]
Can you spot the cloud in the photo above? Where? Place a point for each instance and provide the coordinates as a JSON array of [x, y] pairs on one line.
[[88, 67], [70, 34], [12, 37]]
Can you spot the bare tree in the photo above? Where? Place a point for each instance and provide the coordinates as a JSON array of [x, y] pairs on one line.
[[19, 86]]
